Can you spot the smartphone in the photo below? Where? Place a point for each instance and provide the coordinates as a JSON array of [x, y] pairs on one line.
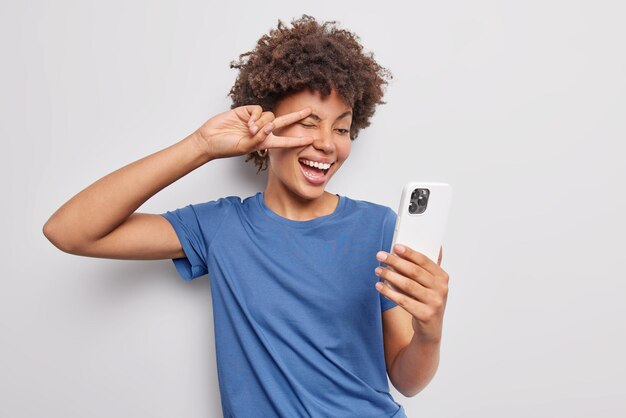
[[422, 217]]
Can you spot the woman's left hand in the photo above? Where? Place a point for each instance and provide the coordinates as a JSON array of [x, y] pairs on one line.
[[421, 288]]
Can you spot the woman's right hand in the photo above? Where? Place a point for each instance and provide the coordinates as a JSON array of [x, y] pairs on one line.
[[246, 129]]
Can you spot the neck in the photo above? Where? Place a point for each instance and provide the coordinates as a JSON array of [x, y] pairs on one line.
[[297, 208]]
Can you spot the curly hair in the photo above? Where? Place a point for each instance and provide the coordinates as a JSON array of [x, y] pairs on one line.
[[312, 56]]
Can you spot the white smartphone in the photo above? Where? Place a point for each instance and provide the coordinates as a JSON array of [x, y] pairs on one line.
[[422, 217]]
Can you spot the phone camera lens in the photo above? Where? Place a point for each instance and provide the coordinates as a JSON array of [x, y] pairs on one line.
[[419, 201]]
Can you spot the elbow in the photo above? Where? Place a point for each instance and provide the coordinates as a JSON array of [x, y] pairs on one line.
[[408, 392], [409, 386], [54, 234]]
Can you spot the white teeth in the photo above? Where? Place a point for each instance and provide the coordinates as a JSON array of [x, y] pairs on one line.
[[323, 166]]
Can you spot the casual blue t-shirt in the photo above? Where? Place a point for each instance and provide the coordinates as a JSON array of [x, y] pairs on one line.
[[297, 319]]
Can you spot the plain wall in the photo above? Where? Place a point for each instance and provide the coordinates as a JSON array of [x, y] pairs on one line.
[[518, 105]]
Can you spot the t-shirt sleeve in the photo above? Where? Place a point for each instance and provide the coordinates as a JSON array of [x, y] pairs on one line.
[[389, 224], [196, 225]]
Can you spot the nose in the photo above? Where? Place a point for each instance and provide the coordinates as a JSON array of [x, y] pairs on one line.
[[324, 142]]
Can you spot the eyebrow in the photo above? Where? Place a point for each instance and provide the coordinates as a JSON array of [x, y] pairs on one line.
[[317, 118]]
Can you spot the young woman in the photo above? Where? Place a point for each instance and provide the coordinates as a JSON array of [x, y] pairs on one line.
[[301, 327]]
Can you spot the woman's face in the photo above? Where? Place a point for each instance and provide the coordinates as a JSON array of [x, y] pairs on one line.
[[294, 169]]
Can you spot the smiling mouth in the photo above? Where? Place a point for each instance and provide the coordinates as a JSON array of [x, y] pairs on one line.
[[313, 171], [313, 164]]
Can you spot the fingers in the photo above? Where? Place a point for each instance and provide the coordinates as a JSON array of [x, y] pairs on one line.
[[264, 139], [403, 284], [292, 117], [274, 141], [269, 122], [255, 113], [418, 258], [406, 268], [264, 136], [263, 123]]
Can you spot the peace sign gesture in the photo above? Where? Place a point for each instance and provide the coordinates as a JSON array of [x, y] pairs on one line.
[[247, 129]]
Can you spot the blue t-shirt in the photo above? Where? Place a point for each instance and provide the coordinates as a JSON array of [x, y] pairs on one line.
[[297, 319]]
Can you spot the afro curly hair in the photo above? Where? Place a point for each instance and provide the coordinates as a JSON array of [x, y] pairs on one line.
[[312, 56]]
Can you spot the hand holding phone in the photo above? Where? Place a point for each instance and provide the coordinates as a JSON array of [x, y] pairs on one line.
[[422, 217]]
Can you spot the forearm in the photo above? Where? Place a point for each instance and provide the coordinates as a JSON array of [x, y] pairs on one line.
[[101, 207], [415, 366]]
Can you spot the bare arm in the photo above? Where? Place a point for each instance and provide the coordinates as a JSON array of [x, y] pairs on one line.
[[100, 221]]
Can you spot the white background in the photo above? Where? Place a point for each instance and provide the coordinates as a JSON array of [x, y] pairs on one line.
[[519, 105]]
